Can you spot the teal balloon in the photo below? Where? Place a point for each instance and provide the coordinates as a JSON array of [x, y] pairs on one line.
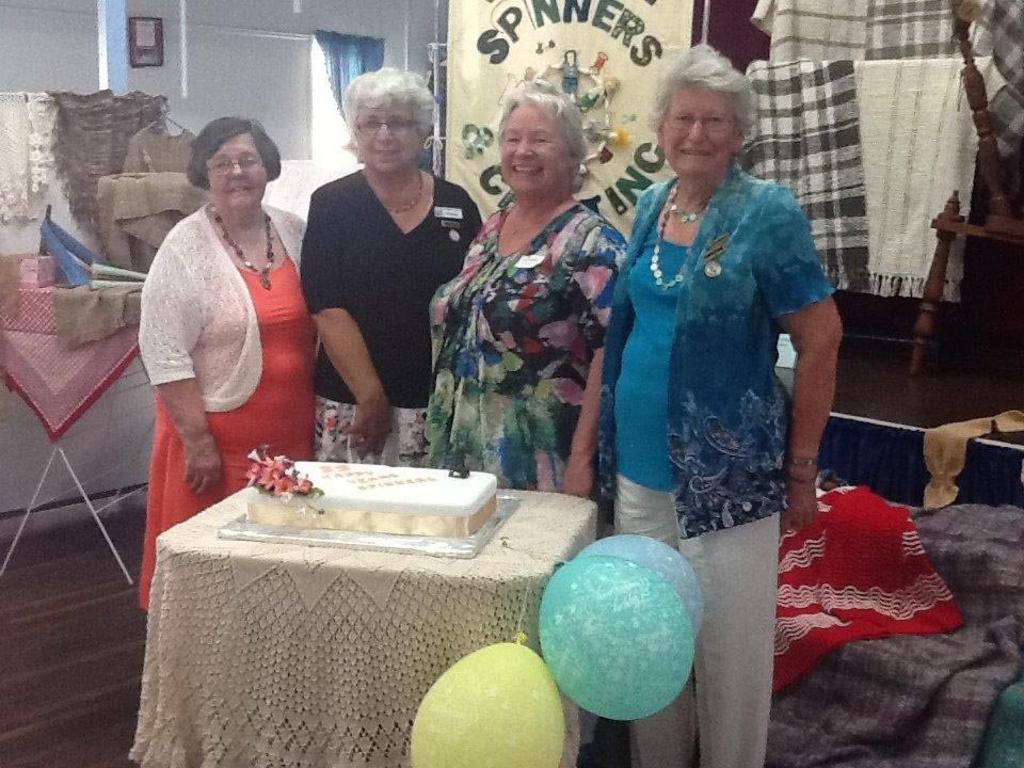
[[659, 557], [616, 637]]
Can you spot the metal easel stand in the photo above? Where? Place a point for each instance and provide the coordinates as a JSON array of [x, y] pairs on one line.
[[93, 510]]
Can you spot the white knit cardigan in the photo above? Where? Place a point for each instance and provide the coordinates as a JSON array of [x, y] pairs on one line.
[[198, 320]]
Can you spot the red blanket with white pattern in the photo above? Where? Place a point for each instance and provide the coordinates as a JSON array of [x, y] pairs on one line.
[[858, 572]]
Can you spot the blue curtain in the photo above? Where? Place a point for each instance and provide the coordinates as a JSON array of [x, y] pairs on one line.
[[347, 57], [890, 460]]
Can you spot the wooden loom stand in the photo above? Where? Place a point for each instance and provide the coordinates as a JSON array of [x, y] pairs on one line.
[[1004, 220]]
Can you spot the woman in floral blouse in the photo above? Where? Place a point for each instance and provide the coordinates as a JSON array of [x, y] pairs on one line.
[[518, 334]]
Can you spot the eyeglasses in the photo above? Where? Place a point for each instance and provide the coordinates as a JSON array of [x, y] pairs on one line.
[[397, 127], [222, 166], [713, 125]]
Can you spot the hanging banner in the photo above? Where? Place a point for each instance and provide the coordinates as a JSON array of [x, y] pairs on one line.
[[603, 53]]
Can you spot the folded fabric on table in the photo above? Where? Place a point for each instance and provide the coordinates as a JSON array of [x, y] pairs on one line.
[[87, 314], [857, 572], [10, 269], [33, 312]]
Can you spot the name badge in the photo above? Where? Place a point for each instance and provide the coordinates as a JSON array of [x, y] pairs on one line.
[[531, 260], [443, 212]]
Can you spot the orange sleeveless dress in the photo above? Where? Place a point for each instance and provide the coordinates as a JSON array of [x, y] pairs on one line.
[[279, 414]]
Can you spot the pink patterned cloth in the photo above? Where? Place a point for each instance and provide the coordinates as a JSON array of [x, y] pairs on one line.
[[32, 312], [59, 384]]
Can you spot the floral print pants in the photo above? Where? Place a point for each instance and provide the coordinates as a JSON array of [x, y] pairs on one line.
[[405, 445]]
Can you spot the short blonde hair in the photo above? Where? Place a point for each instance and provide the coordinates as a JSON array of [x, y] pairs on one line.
[[541, 93], [703, 67], [390, 87]]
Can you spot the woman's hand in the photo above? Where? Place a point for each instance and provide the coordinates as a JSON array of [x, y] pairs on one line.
[[372, 423], [203, 469], [578, 478], [801, 504]]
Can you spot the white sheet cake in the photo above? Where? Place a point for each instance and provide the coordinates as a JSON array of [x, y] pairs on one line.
[[375, 499]]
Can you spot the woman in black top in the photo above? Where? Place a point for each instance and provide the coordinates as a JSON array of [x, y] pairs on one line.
[[378, 244]]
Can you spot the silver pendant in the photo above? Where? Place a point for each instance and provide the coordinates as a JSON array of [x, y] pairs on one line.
[[712, 269]]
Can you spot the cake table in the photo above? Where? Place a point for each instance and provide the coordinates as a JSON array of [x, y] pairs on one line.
[[283, 655]]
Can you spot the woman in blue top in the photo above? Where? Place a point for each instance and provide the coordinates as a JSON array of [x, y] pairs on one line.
[[701, 447]]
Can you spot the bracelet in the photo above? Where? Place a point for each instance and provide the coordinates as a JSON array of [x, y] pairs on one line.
[[795, 461]]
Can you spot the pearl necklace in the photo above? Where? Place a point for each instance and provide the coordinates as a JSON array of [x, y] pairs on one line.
[[656, 256], [263, 273], [686, 217]]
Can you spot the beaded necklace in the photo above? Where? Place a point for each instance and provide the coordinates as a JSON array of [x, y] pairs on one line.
[[656, 256], [264, 273]]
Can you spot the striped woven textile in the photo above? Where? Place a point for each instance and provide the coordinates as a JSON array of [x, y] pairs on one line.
[[821, 30], [909, 29], [918, 146], [807, 137]]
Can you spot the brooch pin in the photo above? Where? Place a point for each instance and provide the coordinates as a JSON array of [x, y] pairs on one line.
[[713, 254]]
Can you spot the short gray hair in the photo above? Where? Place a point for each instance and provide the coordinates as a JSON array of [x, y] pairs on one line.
[[390, 87], [703, 67], [543, 94]]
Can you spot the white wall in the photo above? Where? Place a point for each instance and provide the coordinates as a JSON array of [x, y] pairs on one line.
[[246, 57]]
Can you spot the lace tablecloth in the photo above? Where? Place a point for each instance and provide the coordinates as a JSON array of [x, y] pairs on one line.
[[286, 656]]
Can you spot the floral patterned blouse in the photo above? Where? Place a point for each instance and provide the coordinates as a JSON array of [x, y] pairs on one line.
[[513, 337]]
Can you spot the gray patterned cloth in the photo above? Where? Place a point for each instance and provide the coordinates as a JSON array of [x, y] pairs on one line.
[[1004, 21], [919, 701], [909, 29], [807, 137]]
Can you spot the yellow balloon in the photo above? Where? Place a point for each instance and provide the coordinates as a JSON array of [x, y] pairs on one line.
[[495, 708]]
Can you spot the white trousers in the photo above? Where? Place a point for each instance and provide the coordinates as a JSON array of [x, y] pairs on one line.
[[728, 697]]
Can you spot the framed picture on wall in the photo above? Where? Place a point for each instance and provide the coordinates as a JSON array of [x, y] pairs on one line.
[[145, 41]]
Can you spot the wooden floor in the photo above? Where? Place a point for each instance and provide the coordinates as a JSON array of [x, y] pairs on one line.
[[72, 637], [71, 647]]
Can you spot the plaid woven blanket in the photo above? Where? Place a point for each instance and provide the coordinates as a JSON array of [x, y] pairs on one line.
[[909, 29], [821, 30], [807, 136], [919, 702], [1004, 21]]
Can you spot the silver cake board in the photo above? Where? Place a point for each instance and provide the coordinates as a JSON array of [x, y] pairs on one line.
[[240, 529]]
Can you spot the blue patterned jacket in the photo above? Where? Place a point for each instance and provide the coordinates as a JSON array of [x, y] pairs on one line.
[[728, 413]]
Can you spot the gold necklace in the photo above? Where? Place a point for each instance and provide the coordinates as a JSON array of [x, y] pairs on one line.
[[656, 255], [412, 203]]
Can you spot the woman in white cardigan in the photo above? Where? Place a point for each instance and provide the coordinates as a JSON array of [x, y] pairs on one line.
[[225, 335]]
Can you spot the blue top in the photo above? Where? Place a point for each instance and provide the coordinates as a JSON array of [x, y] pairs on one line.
[[727, 411], [641, 397]]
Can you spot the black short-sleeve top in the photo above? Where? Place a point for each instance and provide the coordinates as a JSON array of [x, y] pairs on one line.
[[354, 257]]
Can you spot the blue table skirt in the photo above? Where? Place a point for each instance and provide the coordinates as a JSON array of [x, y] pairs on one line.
[[889, 458]]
